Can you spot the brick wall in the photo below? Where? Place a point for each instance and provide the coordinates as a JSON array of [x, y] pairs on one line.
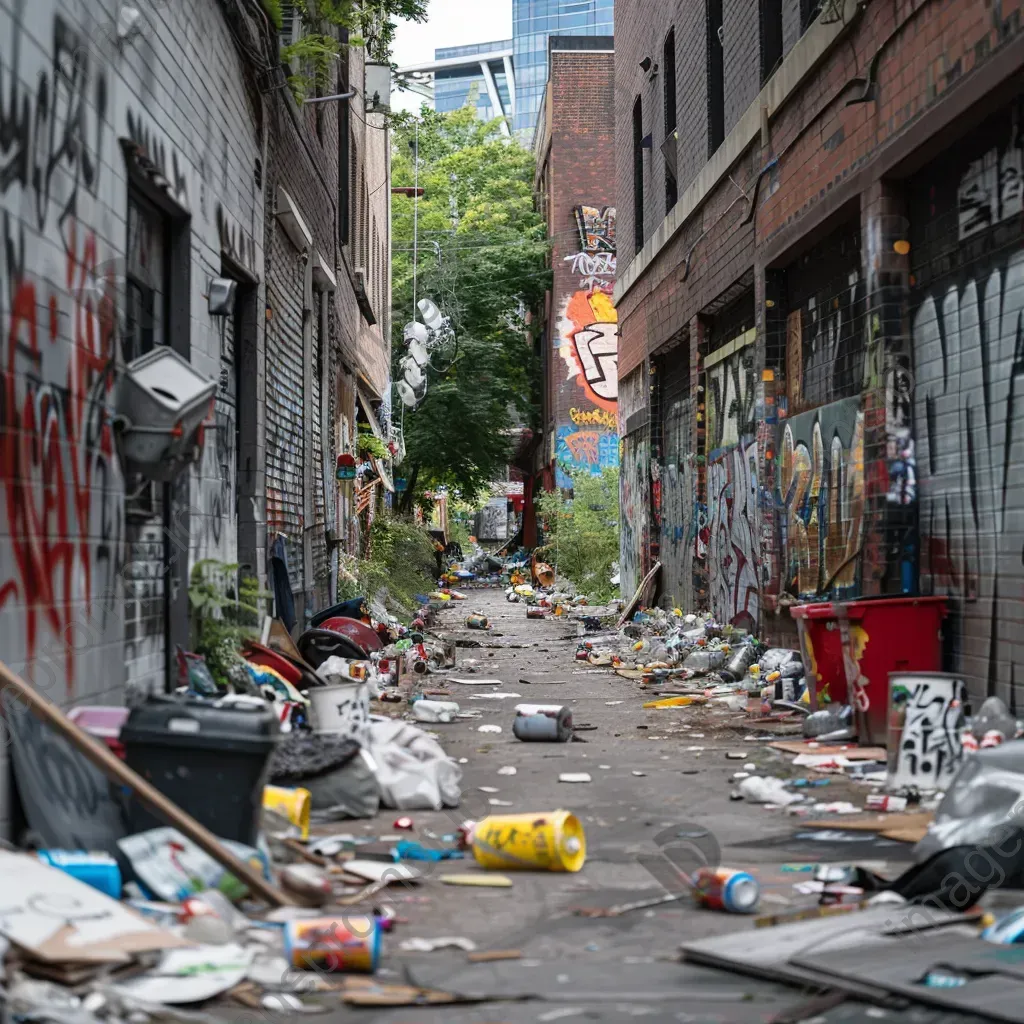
[[582, 224], [827, 182]]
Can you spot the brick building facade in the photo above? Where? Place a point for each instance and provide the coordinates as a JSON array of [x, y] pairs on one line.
[[819, 300], [575, 183], [134, 169]]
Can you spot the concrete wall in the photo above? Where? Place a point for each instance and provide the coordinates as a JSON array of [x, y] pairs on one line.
[[878, 436]]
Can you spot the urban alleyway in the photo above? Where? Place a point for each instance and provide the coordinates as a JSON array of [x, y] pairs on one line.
[[652, 796]]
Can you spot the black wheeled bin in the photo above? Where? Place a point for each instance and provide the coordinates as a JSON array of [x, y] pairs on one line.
[[211, 761]]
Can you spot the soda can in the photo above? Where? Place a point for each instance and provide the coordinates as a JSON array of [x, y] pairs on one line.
[[347, 943], [726, 889]]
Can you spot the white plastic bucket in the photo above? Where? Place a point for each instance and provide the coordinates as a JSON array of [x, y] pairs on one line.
[[342, 710]]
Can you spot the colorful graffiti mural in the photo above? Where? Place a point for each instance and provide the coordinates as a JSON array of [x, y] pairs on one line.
[[588, 346], [821, 496]]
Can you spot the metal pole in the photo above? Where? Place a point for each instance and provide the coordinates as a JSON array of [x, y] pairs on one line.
[[336, 96], [415, 214]]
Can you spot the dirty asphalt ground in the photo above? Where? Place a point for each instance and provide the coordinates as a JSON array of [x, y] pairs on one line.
[[645, 783]]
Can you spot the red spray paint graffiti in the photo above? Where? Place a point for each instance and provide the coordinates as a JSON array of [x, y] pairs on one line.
[[57, 460]]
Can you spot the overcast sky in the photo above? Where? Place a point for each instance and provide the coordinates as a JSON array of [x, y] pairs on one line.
[[450, 23]]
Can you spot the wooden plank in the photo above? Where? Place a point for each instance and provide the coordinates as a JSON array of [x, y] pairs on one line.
[[630, 609], [875, 822], [115, 769], [850, 752]]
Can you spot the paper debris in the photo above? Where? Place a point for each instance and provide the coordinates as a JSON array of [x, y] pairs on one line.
[[489, 728], [429, 945], [191, 975], [574, 777], [488, 789], [381, 871], [507, 770]]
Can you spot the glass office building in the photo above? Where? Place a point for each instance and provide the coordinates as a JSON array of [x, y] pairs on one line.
[[454, 86], [533, 21]]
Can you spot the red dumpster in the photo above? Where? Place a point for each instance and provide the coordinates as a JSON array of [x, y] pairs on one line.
[[887, 634]]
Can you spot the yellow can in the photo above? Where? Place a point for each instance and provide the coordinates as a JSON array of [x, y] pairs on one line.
[[546, 841], [293, 804]]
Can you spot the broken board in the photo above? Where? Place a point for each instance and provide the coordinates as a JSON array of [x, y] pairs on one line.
[[793, 950], [850, 752], [995, 988], [906, 827], [56, 918]]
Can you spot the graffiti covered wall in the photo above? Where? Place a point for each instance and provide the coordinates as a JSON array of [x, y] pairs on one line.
[[968, 337], [634, 484], [586, 396], [819, 499], [727, 521], [86, 555]]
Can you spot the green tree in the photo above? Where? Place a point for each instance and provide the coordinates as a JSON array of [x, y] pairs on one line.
[[481, 258]]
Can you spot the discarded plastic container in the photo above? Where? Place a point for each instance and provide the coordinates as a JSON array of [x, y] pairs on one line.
[[341, 710], [548, 841], [212, 762], [99, 870], [435, 711], [293, 804], [102, 722], [726, 889], [342, 942], [889, 634], [477, 621], [883, 802], [544, 723], [545, 574], [536, 612]]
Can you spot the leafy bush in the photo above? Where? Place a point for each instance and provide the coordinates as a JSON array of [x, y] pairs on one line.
[[582, 532], [400, 562], [370, 444], [226, 611]]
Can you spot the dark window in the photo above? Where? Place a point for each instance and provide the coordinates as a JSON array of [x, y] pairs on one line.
[[145, 323], [809, 10], [771, 37], [716, 77], [669, 149], [638, 175]]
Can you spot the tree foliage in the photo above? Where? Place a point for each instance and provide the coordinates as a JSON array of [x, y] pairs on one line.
[[482, 259]]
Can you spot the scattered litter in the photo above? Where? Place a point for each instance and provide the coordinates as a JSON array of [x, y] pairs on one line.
[[606, 767], [407, 850], [552, 841], [613, 703], [741, 775], [381, 871], [478, 683], [489, 728], [640, 774], [430, 945], [488, 789], [494, 802], [191, 975], [507, 770], [493, 696], [736, 755], [675, 702], [307, 881], [488, 956], [694, 749], [750, 767], [574, 777], [726, 889], [767, 790], [487, 881]]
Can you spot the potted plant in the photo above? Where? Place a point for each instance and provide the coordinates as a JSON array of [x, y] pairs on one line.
[[371, 446]]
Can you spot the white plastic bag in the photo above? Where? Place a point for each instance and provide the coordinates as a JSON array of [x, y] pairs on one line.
[[412, 770]]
